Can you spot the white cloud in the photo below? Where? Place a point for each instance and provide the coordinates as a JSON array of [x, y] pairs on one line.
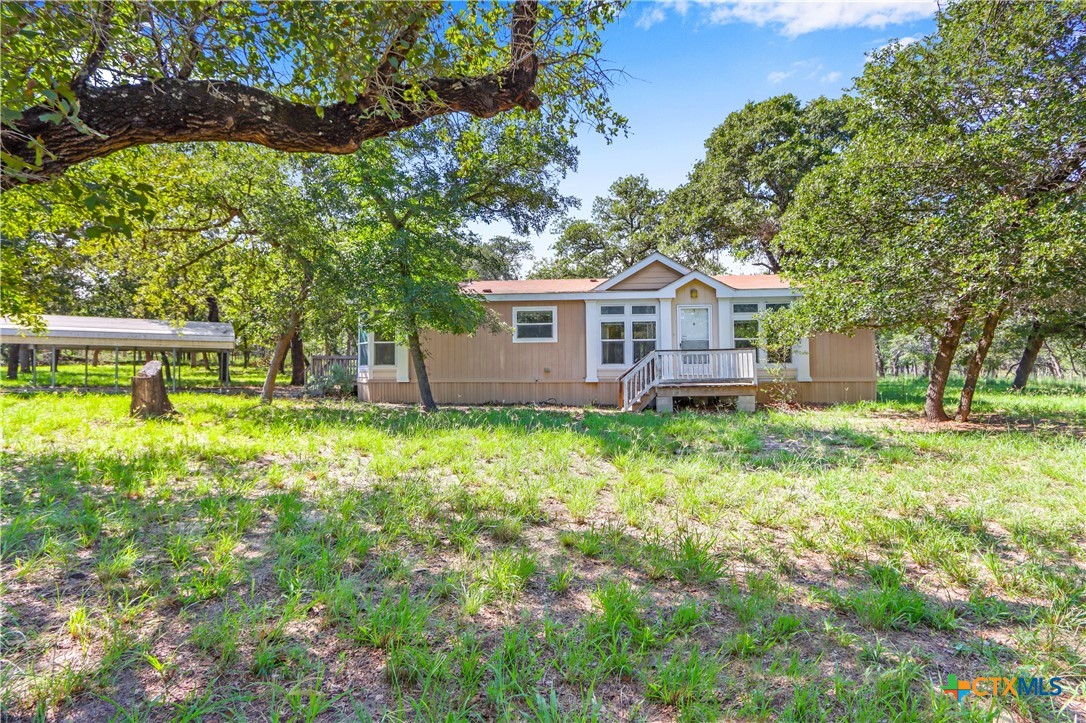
[[907, 40], [810, 69], [655, 14], [797, 17]]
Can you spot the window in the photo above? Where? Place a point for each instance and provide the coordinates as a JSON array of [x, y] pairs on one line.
[[644, 339], [535, 324], [384, 351], [745, 308], [775, 307], [613, 334], [640, 310], [612, 310], [745, 333]]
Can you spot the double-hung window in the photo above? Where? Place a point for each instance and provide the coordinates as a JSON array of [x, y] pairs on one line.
[[613, 336], [644, 339], [745, 333], [627, 333], [535, 324]]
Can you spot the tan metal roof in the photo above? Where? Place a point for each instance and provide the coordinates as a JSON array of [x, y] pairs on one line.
[[108, 333]]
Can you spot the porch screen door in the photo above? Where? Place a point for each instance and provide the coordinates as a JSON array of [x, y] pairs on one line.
[[693, 335]]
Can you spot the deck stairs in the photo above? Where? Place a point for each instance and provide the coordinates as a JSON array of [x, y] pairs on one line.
[[693, 371]]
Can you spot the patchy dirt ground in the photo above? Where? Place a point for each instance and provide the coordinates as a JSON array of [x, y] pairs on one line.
[[329, 561]]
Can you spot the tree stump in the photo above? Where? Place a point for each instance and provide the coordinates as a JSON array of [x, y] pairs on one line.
[[149, 392]]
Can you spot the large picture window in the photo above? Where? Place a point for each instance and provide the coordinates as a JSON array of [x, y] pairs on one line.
[[535, 324]]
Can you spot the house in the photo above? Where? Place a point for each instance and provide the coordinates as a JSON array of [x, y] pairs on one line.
[[654, 332]]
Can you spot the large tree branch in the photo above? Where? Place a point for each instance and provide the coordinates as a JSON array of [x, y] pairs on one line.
[[177, 111]]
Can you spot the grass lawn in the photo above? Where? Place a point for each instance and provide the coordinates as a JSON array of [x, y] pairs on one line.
[[331, 560]]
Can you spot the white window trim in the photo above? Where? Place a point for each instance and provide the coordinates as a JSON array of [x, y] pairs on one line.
[[762, 355], [554, 324], [372, 351], [627, 319]]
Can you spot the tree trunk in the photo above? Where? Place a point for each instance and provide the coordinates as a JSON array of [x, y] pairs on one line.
[[94, 359], [976, 364], [166, 367], [418, 359], [1034, 342], [1056, 366], [13, 360], [281, 348], [297, 361], [24, 357], [944, 360], [149, 397]]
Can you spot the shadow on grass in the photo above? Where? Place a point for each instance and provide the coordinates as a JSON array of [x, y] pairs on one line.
[[312, 583]]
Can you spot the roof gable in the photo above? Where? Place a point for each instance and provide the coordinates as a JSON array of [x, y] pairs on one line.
[[654, 276], [656, 273]]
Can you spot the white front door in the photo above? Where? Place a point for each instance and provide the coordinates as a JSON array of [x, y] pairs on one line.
[[693, 335]]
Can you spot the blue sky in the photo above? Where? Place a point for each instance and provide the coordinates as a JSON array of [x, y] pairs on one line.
[[690, 64]]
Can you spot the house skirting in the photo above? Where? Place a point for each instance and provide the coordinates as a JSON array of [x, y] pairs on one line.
[[603, 394], [575, 394]]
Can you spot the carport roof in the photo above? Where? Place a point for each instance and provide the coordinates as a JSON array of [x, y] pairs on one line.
[[97, 332]]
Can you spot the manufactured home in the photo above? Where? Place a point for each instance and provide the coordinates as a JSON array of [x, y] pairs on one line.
[[655, 332]]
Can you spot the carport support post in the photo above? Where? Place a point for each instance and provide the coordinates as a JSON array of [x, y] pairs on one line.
[[34, 365], [176, 370], [116, 369], [53, 368], [86, 359]]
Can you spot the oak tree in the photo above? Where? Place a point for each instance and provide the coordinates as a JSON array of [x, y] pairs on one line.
[[81, 80], [961, 195]]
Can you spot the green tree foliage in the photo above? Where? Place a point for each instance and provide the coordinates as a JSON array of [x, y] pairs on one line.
[[408, 198], [961, 195], [86, 79], [624, 228], [502, 257], [238, 228], [734, 199]]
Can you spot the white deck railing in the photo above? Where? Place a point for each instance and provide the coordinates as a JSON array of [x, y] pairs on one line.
[[672, 366]]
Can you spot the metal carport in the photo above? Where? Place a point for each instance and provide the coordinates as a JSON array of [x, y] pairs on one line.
[[117, 334]]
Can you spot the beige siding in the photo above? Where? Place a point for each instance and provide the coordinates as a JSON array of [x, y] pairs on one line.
[[497, 358], [654, 276], [818, 392], [843, 358]]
